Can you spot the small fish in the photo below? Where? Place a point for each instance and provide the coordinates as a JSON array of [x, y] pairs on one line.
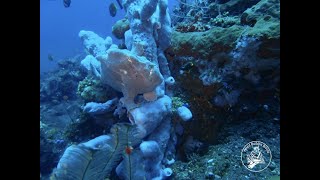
[[66, 3], [187, 66], [120, 3], [50, 57], [112, 10]]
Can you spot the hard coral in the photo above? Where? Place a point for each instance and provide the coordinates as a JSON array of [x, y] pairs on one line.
[[91, 89], [192, 27]]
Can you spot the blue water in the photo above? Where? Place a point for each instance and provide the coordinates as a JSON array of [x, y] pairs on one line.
[[59, 26]]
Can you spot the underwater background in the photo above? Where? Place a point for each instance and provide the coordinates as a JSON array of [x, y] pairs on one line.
[[159, 89]]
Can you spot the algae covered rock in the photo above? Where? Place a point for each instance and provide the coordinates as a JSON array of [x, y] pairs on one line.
[[205, 44], [263, 9], [264, 18], [261, 21]]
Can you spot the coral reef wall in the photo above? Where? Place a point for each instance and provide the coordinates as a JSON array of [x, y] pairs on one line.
[[142, 75], [168, 89], [223, 53]]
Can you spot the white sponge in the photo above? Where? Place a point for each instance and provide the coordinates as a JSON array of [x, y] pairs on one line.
[[184, 113]]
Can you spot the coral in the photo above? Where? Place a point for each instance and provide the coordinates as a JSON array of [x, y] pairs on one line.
[[163, 27], [48, 154], [265, 9], [139, 16], [264, 18], [164, 136], [261, 21], [86, 127], [147, 23], [170, 81], [202, 15], [148, 168], [135, 73], [222, 52], [163, 65], [128, 39], [96, 158], [62, 82], [51, 147], [198, 96], [120, 27], [242, 62], [224, 20], [167, 172], [94, 108], [91, 89], [149, 116], [234, 7], [213, 85], [94, 44], [145, 162], [131, 166], [227, 98], [211, 72], [92, 65], [191, 12], [153, 156], [177, 102], [184, 113], [193, 27], [206, 44]]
